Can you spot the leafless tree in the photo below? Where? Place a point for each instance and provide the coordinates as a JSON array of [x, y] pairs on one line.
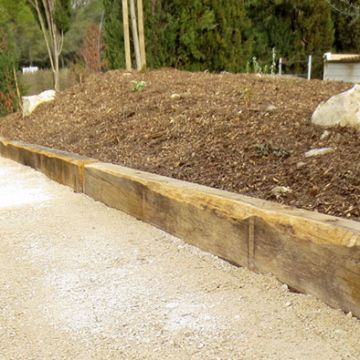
[[140, 8], [54, 39], [135, 34], [138, 37], [125, 10]]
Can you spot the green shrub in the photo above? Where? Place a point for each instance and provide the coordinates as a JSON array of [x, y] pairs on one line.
[[8, 97], [186, 34], [138, 85]]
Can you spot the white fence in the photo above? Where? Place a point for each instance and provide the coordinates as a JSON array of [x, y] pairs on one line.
[[306, 64]]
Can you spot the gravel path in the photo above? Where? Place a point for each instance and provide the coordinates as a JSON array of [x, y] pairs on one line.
[[81, 281]]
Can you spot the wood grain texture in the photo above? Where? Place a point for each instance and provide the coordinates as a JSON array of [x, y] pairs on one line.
[[313, 253], [199, 225], [63, 167]]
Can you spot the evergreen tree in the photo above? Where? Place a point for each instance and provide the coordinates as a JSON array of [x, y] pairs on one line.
[[296, 28], [191, 21], [85, 15], [113, 34], [63, 15], [27, 36], [160, 34], [188, 34], [228, 45], [347, 26], [8, 62]]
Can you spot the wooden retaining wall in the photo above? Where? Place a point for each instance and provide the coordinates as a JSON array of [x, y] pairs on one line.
[[61, 166], [312, 253]]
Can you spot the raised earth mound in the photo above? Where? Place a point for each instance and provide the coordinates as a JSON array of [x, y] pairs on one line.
[[243, 133]]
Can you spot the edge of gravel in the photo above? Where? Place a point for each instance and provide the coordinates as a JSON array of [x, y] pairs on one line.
[[61, 166], [311, 252]]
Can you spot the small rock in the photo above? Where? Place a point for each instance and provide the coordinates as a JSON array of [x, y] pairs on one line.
[[175, 96], [349, 315], [319, 152], [325, 135], [172, 305], [337, 138], [30, 103], [288, 304], [281, 190], [284, 287], [300, 165], [271, 107]]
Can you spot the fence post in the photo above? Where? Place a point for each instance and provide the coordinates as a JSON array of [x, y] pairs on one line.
[[309, 67], [280, 66], [125, 10]]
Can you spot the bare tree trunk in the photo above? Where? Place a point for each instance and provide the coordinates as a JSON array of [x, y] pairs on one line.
[[18, 93], [140, 9], [53, 39], [57, 73], [135, 35], [126, 34], [49, 7], [36, 6]]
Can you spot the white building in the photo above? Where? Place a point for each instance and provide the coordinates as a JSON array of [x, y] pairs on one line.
[[30, 69], [342, 67]]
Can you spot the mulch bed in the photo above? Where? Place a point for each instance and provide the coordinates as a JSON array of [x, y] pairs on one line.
[[242, 133]]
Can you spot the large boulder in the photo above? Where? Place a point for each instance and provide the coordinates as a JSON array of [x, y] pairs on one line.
[[30, 103], [340, 110]]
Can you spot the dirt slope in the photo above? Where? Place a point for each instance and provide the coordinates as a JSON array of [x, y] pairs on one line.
[[242, 133]]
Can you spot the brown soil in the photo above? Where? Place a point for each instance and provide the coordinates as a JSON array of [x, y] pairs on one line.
[[217, 130]]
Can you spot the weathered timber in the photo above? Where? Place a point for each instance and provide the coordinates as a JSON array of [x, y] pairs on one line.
[[311, 252], [61, 166]]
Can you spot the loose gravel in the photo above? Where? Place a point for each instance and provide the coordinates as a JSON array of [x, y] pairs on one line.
[[79, 280]]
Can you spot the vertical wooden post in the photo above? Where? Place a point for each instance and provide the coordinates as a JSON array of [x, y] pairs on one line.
[[280, 66], [135, 34], [140, 9], [126, 34]]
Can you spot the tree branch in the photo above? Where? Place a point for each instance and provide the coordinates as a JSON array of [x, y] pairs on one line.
[[36, 6], [350, 9]]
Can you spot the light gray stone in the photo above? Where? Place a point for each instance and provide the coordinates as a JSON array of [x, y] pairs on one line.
[[279, 191], [300, 165], [271, 108], [175, 96], [30, 103], [325, 135], [340, 110], [319, 152]]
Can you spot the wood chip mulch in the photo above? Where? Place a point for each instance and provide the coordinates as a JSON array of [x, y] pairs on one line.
[[243, 133]]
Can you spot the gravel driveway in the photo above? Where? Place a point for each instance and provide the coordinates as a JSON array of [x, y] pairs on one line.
[[81, 281]]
